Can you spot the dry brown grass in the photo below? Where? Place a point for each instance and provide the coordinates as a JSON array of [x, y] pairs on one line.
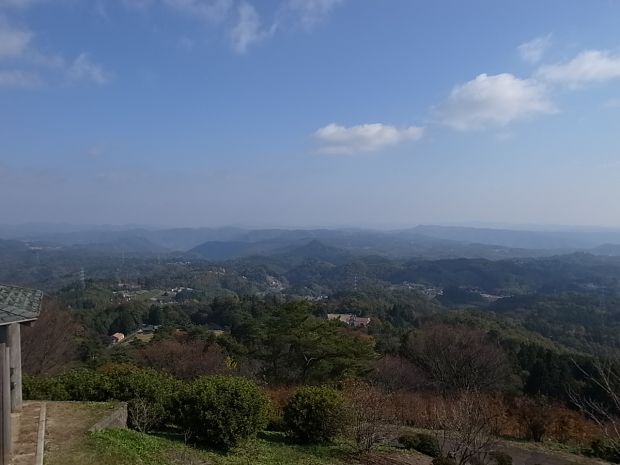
[[66, 425]]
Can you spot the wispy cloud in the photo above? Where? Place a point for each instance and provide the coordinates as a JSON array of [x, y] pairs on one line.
[[493, 101], [310, 12], [84, 69], [210, 10], [506, 135], [27, 67], [248, 28], [363, 138], [534, 50], [591, 66], [137, 4], [13, 41], [20, 79], [612, 103]]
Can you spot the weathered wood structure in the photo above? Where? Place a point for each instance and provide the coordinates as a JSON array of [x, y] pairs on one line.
[[18, 306]]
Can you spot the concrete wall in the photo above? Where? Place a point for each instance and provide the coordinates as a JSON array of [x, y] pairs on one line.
[[116, 419]]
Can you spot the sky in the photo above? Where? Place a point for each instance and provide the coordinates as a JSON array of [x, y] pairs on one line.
[[310, 113]]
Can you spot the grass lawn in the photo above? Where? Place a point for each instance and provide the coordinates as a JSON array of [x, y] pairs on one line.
[[146, 295], [133, 448], [68, 443]]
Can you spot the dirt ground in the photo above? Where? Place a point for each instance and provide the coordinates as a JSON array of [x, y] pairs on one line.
[[26, 430], [522, 456], [521, 453], [65, 427]]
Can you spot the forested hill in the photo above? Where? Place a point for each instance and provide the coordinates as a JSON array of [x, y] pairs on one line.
[[430, 241], [313, 268]]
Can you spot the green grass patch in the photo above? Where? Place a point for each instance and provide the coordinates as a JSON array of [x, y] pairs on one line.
[[129, 447], [147, 295], [133, 448], [145, 337]]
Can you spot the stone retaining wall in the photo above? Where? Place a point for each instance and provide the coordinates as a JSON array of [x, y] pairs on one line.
[[116, 419]]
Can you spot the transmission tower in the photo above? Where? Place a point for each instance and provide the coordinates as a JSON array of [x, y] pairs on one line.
[[82, 278]]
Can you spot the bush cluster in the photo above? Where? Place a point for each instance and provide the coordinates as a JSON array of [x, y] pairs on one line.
[[223, 411], [152, 390], [423, 443], [315, 415], [602, 448]]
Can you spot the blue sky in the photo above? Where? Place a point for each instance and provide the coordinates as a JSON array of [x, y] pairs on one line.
[[305, 113]]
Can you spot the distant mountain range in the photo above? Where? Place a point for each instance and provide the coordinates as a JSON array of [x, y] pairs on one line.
[[522, 239], [428, 241]]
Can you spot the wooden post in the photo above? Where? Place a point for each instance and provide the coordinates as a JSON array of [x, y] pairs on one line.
[[5, 399], [15, 347]]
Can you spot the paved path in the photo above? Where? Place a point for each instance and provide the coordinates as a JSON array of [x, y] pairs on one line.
[[26, 434], [531, 457]]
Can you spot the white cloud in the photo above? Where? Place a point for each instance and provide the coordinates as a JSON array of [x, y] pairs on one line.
[[83, 68], [533, 51], [493, 101], [248, 29], [363, 138], [211, 10], [311, 11], [13, 41], [590, 66], [18, 53], [18, 78]]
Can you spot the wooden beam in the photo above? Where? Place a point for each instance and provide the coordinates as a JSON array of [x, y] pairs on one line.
[[15, 346], [5, 399]]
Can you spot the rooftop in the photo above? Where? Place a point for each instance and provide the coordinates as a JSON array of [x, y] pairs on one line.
[[19, 304]]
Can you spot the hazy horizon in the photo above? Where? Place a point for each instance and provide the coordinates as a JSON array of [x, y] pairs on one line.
[[310, 112], [74, 227]]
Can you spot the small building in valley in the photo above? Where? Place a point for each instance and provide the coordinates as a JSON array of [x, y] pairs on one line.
[[117, 337], [349, 319]]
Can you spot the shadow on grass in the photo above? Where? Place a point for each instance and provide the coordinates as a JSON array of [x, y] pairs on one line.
[[175, 435], [268, 439]]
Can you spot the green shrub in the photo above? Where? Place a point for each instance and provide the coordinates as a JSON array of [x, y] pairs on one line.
[[423, 443], [150, 394], [500, 458], [603, 449], [84, 385], [315, 415], [443, 461], [223, 411], [43, 388]]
